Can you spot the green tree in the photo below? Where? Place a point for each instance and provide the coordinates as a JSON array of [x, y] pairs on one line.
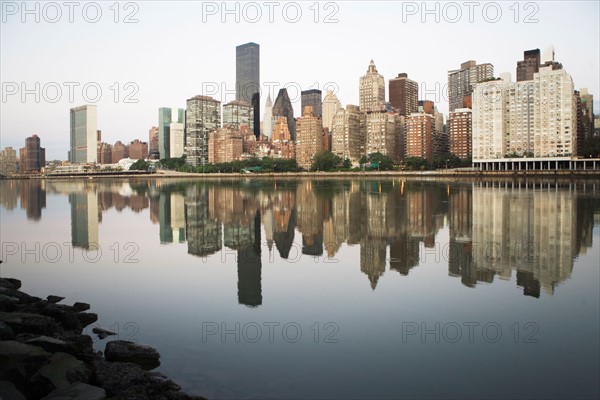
[[139, 165], [326, 161], [384, 162]]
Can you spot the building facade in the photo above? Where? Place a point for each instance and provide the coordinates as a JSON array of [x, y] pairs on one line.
[[529, 65], [419, 135], [461, 81], [247, 80], [460, 125], [312, 98], [33, 156], [331, 105], [8, 161], [224, 145], [119, 152], [166, 116], [380, 134], [404, 94], [84, 141], [203, 115], [348, 134], [138, 150], [372, 90], [283, 108], [237, 113], [309, 139], [153, 141], [267, 122]]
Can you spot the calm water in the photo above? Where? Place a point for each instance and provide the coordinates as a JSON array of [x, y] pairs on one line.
[[328, 289]]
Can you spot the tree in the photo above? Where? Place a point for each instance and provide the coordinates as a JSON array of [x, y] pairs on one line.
[[347, 164], [416, 163], [139, 165], [326, 161], [384, 162]]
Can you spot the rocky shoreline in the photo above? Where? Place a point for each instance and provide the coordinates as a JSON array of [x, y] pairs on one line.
[[45, 355]]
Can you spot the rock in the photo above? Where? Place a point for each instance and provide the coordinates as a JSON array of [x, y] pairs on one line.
[[9, 391], [30, 323], [6, 333], [86, 318], [63, 370], [10, 283], [64, 314], [81, 306], [19, 361], [54, 299], [49, 344], [121, 350], [77, 391], [119, 377], [103, 333]]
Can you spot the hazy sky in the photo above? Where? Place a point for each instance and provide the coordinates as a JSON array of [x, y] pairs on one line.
[[177, 50]]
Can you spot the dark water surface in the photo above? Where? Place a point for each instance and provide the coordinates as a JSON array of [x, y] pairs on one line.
[[328, 288]]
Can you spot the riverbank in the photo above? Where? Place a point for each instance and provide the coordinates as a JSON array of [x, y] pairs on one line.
[[445, 173], [45, 355]]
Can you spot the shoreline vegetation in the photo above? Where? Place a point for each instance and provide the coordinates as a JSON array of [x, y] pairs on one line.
[[44, 354]]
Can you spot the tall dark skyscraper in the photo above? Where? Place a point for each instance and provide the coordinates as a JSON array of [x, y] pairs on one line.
[[312, 98], [247, 79]]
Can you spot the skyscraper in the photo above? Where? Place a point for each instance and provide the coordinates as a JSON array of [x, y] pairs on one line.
[[268, 118], [419, 135], [33, 156], [348, 134], [461, 81], [166, 116], [84, 140], [237, 113], [247, 78], [312, 98], [309, 141], [372, 90], [153, 140], [460, 126], [404, 94], [529, 66], [331, 105], [203, 115], [283, 108]]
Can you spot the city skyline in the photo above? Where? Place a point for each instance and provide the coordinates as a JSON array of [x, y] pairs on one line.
[[126, 121]]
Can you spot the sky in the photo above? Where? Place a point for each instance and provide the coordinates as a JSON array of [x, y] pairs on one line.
[[130, 58]]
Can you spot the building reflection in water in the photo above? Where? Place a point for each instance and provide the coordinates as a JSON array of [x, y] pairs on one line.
[[535, 229]]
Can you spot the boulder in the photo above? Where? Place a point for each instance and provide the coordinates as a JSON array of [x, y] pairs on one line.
[[19, 361], [10, 283], [49, 344], [81, 306], [9, 391], [120, 377], [54, 299], [6, 333], [63, 370], [77, 391], [29, 323], [86, 318], [122, 350], [102, 333]]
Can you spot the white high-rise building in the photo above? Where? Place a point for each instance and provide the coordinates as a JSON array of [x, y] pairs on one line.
[[525, 119], [176, 139], [555, 124], [331, 105], [268, 118], [372, 90], [348, 134], [84, 134]]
